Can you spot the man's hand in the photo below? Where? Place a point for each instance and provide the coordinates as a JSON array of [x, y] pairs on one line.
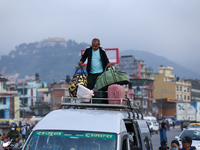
[[80, 63], [166, 143], [16, 139], [108, 65]]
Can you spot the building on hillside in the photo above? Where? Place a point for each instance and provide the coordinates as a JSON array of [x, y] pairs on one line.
[[169, 90], [9, 101], [134, 67], [143, 93], [52, 41], [58, 90]]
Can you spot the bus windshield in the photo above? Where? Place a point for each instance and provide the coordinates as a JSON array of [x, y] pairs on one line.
[[71, 140]]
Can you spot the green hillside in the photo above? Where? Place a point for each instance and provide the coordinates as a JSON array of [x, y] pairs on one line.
[[51, 62]]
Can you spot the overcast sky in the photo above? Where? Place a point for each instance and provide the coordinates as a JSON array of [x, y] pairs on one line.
[[169, 28]]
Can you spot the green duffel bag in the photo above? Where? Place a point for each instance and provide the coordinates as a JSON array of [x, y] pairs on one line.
[[111, 77]]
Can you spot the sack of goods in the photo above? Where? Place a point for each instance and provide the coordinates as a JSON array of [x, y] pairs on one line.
[[84, 94], [117, 92], [111, 77], [77, 79]]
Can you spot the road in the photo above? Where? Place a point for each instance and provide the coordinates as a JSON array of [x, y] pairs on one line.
[[170, 136]]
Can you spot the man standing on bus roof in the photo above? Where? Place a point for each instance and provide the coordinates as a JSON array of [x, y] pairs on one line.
[[97, 62]]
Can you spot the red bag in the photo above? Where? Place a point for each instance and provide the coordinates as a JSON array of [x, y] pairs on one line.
[[117, 92]]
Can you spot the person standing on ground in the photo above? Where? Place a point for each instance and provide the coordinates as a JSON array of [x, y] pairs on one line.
[[186, 143], [23, 131], [163, 134], [28, 130], [97, 62], [173, 124]]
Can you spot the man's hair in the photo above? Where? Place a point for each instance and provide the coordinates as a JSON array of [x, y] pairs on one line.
[[163, 148], [96, 40], [176, 142]]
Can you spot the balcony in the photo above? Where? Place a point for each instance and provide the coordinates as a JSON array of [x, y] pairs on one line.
[[142, 62], [149, 71], [172, 76], [142, 70], [39, 104]]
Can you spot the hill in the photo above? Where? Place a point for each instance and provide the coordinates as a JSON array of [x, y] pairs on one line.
[[54, 58], [155, 61]]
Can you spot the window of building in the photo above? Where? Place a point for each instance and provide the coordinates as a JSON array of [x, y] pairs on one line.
[[188, 97], [177, 96], [180, 88], [188, 89], [180, 96], [1, 101], [165, 79], [184, 97], [184, 89], [177, 88], [145, 102]]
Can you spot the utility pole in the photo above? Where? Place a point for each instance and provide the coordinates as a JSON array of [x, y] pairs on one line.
[[162, 91], [23, 99]]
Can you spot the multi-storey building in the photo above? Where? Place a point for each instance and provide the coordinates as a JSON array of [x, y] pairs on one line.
[[9, 101], [169, 90], [140, 77], [143, 93], [195, 89], [134, 67], [58, 90]]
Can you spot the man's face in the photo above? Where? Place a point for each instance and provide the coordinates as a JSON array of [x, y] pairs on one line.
[[95, 45], [186, 144], [174, 145]]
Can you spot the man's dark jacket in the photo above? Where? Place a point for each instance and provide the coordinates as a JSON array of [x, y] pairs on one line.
[[13, 135], [88, 54]]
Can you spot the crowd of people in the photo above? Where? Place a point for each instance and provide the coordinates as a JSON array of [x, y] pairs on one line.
[[186, 141], [14, 134]]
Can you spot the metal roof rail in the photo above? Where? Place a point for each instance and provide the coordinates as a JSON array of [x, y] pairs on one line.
[[75, 103]]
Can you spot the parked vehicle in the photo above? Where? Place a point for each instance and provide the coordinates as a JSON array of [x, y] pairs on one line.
[[194, 133], [170, 121], [187, 112], [152, 123], [153, 126], [91, 126], [193, 125], [7, 144]]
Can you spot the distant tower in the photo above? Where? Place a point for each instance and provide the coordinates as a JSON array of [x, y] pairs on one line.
[[67, 78], [37, 76]]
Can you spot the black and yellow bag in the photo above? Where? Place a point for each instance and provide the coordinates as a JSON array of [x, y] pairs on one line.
[[78, 78]]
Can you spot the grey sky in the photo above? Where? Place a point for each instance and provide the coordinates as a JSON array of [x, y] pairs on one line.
[[169, 28]]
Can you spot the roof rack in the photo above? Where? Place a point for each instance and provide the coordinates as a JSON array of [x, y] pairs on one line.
[[130, 106]]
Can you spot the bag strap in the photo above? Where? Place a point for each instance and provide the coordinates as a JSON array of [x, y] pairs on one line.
[[82, 72], [113, 75]]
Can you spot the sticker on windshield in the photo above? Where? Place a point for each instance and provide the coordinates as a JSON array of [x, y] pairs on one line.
[[78, 135]]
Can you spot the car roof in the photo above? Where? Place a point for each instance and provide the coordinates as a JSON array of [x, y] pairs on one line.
[[84, 120], [193, 129], [194, 124]]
